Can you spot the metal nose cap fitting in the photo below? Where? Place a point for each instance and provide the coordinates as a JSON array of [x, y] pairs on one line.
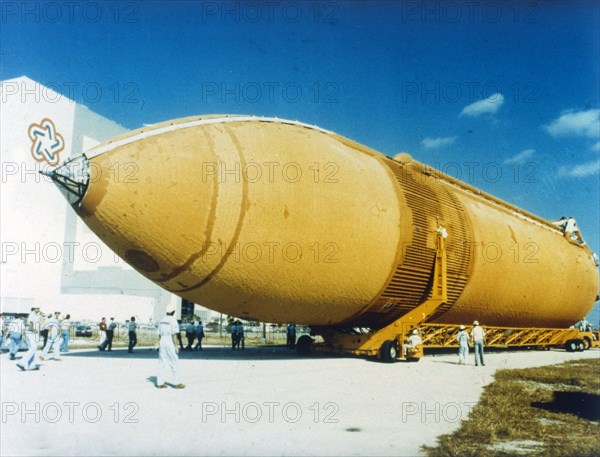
[[72, 178]]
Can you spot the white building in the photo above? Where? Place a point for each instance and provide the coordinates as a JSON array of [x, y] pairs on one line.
[[48, 256]]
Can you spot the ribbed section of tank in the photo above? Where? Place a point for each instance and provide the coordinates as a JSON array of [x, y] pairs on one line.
[[505, 267], [284, 222]]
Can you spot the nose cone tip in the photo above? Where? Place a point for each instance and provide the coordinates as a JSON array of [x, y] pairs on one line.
[[72, 178]]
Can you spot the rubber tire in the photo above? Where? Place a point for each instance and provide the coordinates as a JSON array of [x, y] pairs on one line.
[[571, 345], [580, 346], [586, 344], [389, 351], [304, 345]]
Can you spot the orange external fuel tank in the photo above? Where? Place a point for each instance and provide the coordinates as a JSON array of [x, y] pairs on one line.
[[280, 221]]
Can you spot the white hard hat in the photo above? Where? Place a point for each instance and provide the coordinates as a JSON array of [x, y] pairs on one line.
[[475, 322], [415, 331]]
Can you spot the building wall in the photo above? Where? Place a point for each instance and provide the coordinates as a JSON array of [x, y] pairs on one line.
[[48, 256]]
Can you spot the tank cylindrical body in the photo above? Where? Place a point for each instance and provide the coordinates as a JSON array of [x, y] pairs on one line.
[[283, 222]]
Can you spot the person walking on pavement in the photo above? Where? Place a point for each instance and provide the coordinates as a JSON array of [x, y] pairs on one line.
[[463, 345], [234, 335], [168, 360], [32, 328], [241, 340], [102, 329], [54, 335], [291, 336], [180, 328], [43, 330], [65, 327], [16, 333], [132, 334], [199, 335], [190, 334], [478, 334], [110, 333]]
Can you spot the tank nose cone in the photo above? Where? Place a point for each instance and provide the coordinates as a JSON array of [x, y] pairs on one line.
[[72, 178]]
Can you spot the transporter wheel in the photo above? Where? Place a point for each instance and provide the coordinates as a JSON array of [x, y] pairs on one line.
[[389, 351], [571, 346], [580, 346], [304, 345], [586, 344]]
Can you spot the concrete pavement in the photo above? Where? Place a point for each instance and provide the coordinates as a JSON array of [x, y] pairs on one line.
[[261, 401]]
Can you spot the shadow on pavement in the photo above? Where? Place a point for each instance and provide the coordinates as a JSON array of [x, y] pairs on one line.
[[208, 353]]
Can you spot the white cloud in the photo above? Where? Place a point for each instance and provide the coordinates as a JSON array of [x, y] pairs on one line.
[[432, 143], [596, 147], [521, 156], [576, 123], [486, 106], [580, 171]]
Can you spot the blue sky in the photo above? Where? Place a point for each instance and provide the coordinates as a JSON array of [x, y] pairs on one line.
[[475, 89]]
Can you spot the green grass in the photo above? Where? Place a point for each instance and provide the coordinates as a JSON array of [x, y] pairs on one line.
[[521, 413]]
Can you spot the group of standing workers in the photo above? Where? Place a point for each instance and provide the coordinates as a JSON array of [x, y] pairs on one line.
[[58, 332], [193, 331], [107, 333], [477, 337], [58, 338]]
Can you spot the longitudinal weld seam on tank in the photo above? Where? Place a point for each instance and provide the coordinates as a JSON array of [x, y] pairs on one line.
[[209, 227], [240, 222], [410, 284]]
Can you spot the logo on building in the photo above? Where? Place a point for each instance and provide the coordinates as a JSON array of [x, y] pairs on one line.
[[46, 142]]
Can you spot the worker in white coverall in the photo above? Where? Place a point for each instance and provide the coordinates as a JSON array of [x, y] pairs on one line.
[[413, 341], [463, 345], [55, 334], [168, 360], [32, 328]]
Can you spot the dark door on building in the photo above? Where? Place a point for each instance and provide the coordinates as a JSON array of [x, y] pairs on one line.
[[187, 309]]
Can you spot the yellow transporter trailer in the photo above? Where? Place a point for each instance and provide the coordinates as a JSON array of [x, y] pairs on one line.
[[389, 344], [439, 336], [571, 339]]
